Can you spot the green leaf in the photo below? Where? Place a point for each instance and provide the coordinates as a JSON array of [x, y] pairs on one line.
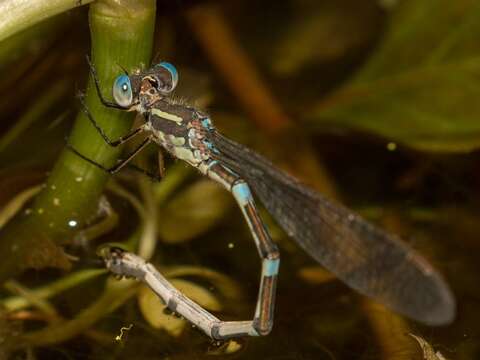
[[153, 309], [307, 35], [193, 212], [420, 87]]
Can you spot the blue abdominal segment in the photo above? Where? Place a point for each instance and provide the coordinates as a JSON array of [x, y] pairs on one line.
[[207, 123], [242, 193], [271, 267]]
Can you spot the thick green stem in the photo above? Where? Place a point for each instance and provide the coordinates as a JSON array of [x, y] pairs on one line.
[[122, 36]]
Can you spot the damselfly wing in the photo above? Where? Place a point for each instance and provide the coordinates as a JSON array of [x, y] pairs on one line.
[[368, 259]]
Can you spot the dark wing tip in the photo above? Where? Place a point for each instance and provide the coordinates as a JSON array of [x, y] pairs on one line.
[[422, 294], [443, 309]]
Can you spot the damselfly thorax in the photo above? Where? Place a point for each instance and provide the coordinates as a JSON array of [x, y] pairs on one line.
[[178, 128], [182, 131]]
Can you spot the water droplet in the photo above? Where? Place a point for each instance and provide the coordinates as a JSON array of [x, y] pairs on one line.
[[40, 211], [72, 223], [391, 146], [231, 245], [79, 179], [53, 187], [56, 201]]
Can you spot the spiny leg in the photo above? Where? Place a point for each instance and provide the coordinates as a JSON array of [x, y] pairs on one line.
[[268, 252], [106, 103], [114, 143], [150, 175], [114, 169]]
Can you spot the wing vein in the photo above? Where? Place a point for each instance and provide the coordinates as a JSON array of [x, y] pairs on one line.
[[365, 257]]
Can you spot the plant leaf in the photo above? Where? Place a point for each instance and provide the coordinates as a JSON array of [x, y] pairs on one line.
[[420, 86], [193, 212]]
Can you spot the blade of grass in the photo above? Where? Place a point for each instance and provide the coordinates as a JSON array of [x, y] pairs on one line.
[[19, 14]]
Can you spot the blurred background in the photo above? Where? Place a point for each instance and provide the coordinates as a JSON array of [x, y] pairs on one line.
[[373, 103]]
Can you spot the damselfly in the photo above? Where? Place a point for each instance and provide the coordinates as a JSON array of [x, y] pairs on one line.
[[366, 258]]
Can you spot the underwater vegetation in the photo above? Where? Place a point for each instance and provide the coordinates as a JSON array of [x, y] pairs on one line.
[[372, 103]]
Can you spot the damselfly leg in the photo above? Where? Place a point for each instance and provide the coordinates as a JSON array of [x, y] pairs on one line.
[[112, 143], [122, 163], [105, 102]]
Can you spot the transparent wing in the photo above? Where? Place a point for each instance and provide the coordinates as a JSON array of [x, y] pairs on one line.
[[371, 261]]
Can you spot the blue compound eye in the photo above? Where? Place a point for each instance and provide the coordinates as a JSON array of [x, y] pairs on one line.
[[172, 70], [122, 91]]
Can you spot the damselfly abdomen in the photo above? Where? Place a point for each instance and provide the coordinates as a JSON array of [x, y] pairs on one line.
[[371, 261]]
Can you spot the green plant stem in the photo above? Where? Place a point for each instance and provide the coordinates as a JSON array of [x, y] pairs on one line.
[[41, 303], [17, 15], [15, 205], [115, 294], [39, 108], [45, 292], [122, 34], [177, 174]]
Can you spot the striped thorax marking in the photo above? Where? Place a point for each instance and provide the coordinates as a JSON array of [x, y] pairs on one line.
[[167, 116]]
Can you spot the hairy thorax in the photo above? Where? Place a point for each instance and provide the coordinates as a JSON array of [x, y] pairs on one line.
[[181, 131]]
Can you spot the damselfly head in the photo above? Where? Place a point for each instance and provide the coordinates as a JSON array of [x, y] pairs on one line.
[[147, 87]]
